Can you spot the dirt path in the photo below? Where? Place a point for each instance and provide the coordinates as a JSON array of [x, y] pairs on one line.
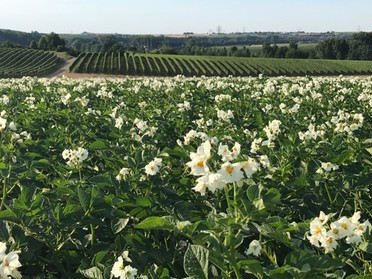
[[63, 70]]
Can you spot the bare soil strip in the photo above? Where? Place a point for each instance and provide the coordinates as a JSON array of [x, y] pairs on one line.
[[63, 70]]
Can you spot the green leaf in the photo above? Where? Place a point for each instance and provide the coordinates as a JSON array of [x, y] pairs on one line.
[[118, 225], [71, 208], [57, 212], [143, 202], [271, 231], [157, 272], [196, 261], [102, 180], [97, 145], [155, 223], [368, 141], [369, 150], [93, 273], [304, 260], [42, 163], [259, 204], [98, 257], [252, 267], [8, 215], [271, 198], [253, 192], [3, 166], [280, 273], [84, 199], [359, 277], [366, 247], [344, 156]]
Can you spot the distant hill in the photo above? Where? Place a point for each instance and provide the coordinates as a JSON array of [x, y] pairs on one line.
[[18, 38], [89, 41]]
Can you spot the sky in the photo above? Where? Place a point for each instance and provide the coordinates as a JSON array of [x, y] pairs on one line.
[[177, 17]]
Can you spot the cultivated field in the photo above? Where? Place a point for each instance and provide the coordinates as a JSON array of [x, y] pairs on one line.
[[185, 177], [19, 62], [172, 65]]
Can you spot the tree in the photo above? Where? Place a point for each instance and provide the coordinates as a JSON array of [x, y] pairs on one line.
[[51, 42], [107, 42], [333, 49], [292, 51], [360, 46], [267, 50], [43, 43], [33, 44]]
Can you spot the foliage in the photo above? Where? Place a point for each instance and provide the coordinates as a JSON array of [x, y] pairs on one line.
[[358, 47], [100, 177], [51, 42]]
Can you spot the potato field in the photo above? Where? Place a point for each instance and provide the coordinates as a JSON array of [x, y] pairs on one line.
[[223, 177]]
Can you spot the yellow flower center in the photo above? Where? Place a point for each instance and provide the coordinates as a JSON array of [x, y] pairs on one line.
[[360, 228], [229, 169], [200, 164], [344, 226], [6, 262], [335, 231], [330, 239], [318, 230]]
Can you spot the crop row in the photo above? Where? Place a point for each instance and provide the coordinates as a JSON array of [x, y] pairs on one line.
[[18, 62], [172, 65]]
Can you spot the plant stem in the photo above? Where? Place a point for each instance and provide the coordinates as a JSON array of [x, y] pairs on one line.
[[4, 195], [328, 194], [92, 236], [5, 191], [228, 199]]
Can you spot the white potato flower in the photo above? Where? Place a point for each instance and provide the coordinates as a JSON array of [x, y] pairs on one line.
[[9, 263], [329, 243], [198, 163], [122, 174], [75, 157], [349, 229], [2, 123], [210, 181], [255, 145], [231, 172], [328, 166], [254, 248], [152, 168], [4, 99], [250, 167], [119, 122]]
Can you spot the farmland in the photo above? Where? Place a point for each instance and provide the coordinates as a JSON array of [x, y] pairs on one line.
[[185, 177], [19, 62], [189, 66]]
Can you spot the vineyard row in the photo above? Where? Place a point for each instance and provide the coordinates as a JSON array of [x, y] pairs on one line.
[[172, 65], [18, 62]]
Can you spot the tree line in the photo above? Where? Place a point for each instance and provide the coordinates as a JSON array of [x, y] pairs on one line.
[[358, 46]]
